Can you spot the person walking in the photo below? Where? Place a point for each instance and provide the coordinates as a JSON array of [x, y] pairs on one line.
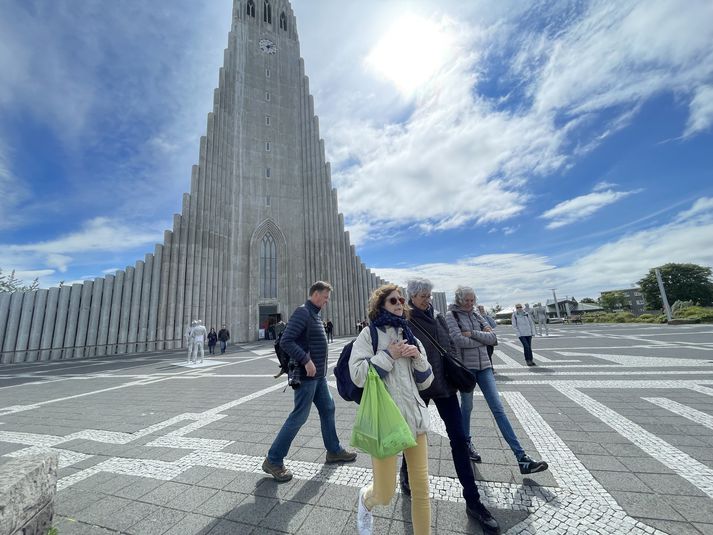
[[223, 337], [525, 327], [541, 316], [305, 342], [212, 341], [330, 331], [429, 326], [470, 334], [401, 363]]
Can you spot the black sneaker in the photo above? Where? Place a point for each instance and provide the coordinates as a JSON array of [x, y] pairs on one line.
[[474, 455], [481, 514], [528, 466], [531, 363]]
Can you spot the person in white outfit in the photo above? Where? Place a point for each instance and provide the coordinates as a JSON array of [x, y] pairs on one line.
[[189, 341], [525, 327], [541, 316], [199, 336]]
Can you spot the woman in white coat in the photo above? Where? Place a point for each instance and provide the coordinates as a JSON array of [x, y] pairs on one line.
[[401, 362]]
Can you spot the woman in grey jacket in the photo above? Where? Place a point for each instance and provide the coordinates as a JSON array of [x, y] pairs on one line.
[[401, 362], [471, 334]]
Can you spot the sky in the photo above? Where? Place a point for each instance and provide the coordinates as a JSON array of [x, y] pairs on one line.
[[525, 145]]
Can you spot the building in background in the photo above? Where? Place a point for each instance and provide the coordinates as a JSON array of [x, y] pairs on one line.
[[633, 300]]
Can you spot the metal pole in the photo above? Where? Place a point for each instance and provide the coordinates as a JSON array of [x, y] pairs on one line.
[[557, 306], [663, 294]]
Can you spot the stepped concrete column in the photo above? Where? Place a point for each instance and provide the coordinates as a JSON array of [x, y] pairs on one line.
[[13, 324], [38, 318], [135, 308], [60, 323], [105, 316], [163, 295], [5, 298], [70, 334], [23, 332], [115, 317], [95, 309], [155, 291], [83, 322], [125, 310], [145, 303], [49, 323]]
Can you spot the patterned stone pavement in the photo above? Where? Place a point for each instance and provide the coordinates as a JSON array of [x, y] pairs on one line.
[[148, 445]]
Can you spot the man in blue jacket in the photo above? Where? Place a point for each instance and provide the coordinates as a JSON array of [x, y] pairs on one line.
[[305, 341]]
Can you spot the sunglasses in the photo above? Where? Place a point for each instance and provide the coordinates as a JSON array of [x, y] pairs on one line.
[[394, 300]]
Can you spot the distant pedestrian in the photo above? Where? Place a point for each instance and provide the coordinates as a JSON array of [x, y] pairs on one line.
[[541, 316], [305, 341], [223, 337], [212, 341], [525, 327], [330, 331], [189, 341], [279, 328]]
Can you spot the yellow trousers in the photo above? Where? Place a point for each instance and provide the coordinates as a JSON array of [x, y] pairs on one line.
[[383, 486]]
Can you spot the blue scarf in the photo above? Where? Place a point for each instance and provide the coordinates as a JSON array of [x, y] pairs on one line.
[[387, 318]]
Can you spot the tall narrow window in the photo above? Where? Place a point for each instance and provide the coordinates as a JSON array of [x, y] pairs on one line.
[[267, 120], [268, 267], [251, 8], [267, 146], [267, 73], [267, 96], [267, 12], [283, 21], [267, 172]]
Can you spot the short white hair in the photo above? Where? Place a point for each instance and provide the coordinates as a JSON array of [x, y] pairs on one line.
[[418, 286], [462, 292]]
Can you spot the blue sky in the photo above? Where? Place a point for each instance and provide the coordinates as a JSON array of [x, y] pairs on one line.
[[525, 145]]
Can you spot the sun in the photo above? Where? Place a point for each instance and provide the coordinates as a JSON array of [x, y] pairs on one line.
[[409, 53]]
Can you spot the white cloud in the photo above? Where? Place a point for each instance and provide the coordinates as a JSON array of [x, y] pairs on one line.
[[12, 194], [579, 208], [701, 111], [513, 277]]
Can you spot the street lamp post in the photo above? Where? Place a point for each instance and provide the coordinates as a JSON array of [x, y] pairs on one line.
[[557, 306]]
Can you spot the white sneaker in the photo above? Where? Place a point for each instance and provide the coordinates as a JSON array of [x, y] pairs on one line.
[[365, 520]]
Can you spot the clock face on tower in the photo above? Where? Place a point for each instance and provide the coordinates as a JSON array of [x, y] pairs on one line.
[[267, 46]]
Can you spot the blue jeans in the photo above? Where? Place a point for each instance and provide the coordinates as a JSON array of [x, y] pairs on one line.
[[486, 382], [223, 343], [527, 346], [311, 391]]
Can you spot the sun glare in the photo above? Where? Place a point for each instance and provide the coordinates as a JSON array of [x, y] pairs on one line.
[[409, 53]]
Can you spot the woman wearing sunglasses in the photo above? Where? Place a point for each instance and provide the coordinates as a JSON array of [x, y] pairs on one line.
[[401, 362]]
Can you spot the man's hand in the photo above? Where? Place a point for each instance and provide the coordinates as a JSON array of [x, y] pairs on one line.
[[310, 368]]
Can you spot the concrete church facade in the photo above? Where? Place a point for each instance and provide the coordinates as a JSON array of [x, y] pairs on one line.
[[260, 224]]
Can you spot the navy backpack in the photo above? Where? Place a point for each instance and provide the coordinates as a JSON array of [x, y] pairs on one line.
[[345, 386]]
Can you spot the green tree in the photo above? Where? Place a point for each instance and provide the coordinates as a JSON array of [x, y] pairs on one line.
[[589, 300], [497, 308], [612, 301], [683, 282], [9, 283]]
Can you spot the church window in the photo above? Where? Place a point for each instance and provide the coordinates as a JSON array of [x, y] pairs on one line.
[[267, 172], [251, 8], [267, 201], [267, 120], [268, 266], [283, 21], [267, 12], [267, 96], [267, 73], [267, 146]]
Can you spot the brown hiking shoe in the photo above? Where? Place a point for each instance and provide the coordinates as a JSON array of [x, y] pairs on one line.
[[280, 473], [343, 456]]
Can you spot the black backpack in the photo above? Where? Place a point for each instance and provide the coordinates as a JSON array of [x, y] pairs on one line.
[[345, 386], [282, 357]]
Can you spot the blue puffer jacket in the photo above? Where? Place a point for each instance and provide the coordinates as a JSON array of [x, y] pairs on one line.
[[304, 339]]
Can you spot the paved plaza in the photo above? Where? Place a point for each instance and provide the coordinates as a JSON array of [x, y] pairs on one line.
[[147, 445]]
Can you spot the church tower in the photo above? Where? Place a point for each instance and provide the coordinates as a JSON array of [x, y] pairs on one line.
[[259, 226]]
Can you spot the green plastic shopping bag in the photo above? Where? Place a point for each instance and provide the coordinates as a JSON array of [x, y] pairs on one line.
[[380, 430]]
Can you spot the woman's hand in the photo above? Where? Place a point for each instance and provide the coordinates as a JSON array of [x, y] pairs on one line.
[[396, 349], [410, 351], [466, 333]]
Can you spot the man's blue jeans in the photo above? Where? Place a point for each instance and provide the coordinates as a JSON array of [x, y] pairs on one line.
[[223, 343], [311, 391], [486, 382]]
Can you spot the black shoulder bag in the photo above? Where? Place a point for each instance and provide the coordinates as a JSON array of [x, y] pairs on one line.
[[456, 373]]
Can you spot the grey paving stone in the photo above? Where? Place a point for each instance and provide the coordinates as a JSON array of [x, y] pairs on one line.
[[192, 499], [101, 512], [218, 479], [642, 505], [670, 484], [645, 465], [167, 492], [138, 487], [193, 524], [220, 504], [693, 508], [286, 516], [621, 481], [674, 528], [252, 510], [323, 521], [602, 462], [160, 521], [705, 529], [70, 504]]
